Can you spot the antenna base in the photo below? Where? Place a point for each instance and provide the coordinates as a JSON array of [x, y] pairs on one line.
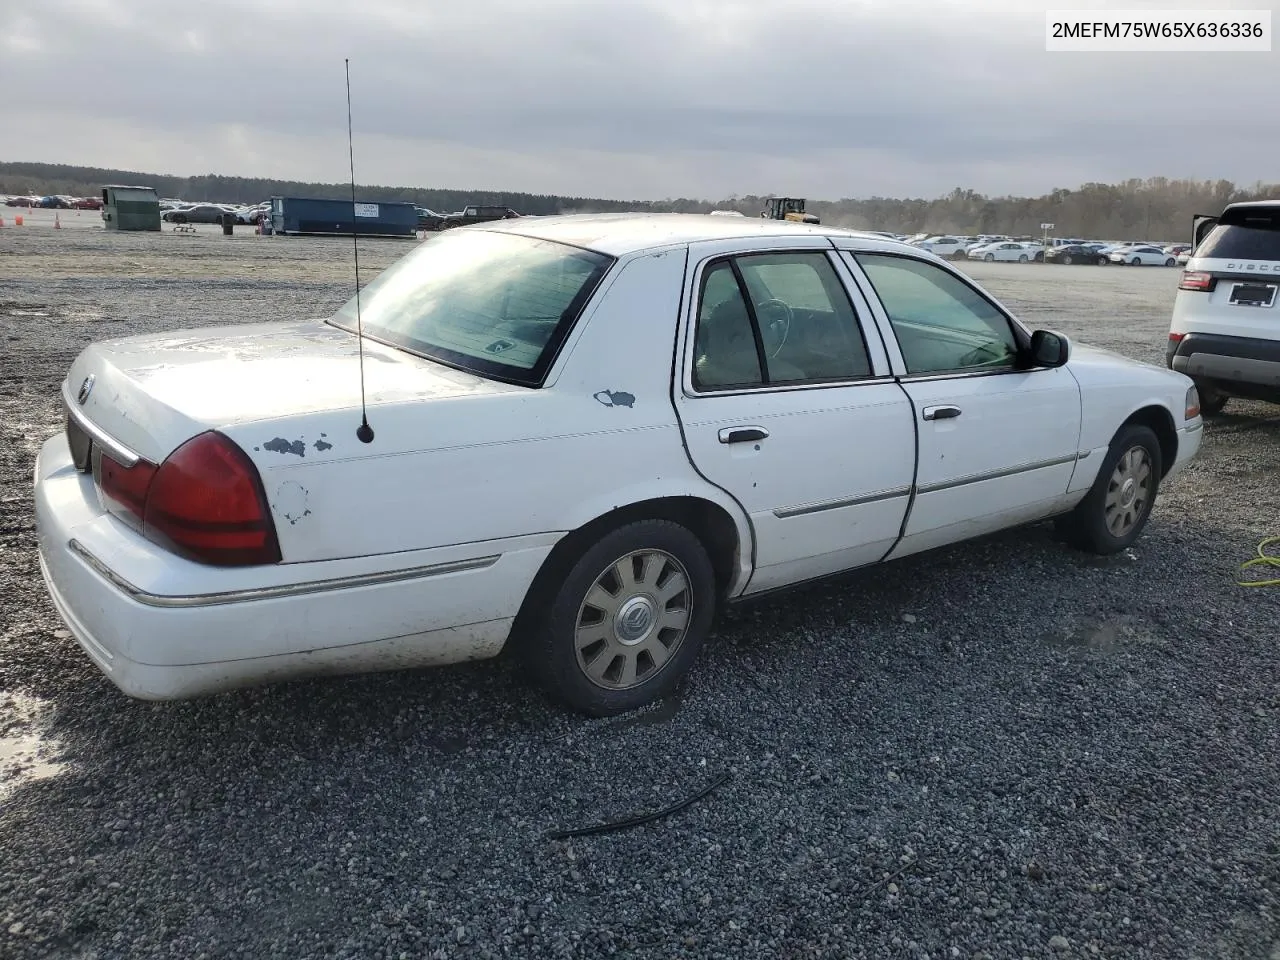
[[364, 433]]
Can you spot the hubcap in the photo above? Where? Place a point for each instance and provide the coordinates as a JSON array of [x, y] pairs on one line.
[[633, 619], [1128, 492]]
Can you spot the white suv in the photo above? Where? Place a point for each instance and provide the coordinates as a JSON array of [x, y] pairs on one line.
[[1225, 333], [949, 248]]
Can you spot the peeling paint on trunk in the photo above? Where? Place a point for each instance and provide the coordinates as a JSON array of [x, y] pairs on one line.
[[281, 445], [290, 502]]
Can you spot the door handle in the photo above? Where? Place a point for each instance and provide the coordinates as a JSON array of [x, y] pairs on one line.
[[943, 412], [743, 434]]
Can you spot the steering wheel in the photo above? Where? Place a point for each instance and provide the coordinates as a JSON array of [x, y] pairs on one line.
[[774, 331]]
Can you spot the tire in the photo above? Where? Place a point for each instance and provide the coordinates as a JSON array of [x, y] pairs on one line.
[[1039, 257], [1171, 262], [661, 551], [1211, 401], [1135, 262], [1022, 258], [1066, 258], [1089, 526], [989, 257], [1103, 261]]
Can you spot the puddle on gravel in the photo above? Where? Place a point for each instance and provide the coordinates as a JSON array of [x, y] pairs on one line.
[[25, 753], [1101, 636]]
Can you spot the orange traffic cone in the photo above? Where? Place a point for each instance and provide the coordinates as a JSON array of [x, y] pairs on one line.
[[17, 220], [1, 221]]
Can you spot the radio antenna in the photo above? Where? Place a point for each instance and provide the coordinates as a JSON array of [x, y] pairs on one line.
[[364, 432]]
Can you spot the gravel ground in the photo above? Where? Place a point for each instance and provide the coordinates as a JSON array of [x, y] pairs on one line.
[[1002, 750]]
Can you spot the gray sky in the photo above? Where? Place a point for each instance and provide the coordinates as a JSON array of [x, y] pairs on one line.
[[626, 99]]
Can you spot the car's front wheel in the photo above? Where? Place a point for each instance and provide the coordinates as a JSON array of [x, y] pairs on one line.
[[1115, 511], [989, 257], [627, 619], [1171, 262]]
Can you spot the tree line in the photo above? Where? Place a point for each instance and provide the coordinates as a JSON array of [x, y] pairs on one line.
[[1156, 208]]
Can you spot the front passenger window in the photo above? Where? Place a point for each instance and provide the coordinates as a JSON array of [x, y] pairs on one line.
[[941, 323]]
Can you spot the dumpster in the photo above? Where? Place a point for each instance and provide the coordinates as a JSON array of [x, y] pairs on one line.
[[305, 215], [130, 208]]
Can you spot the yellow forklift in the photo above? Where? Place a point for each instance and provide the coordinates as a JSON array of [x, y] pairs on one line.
[[788, 208]]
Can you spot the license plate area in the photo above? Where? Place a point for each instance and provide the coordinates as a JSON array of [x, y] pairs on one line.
[[1253, 294]]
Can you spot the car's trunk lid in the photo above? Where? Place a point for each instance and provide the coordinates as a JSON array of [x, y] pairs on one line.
[[151, 393]]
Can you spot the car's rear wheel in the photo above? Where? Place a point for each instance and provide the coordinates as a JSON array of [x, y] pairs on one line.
[[627, 620], [1211, 400], [1115, 511], [1022, 258], [1102, 261], [1066, 258]]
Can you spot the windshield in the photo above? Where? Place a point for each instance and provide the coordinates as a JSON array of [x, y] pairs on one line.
[[494, 304]]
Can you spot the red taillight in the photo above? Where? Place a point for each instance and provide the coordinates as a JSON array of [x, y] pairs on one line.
[[1195, 280], [1176, 337], [206, 502], [124, 489]]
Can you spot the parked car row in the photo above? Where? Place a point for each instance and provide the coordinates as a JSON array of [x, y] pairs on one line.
[[57, 202], [179, 211], [476, 213], [1054, 250]]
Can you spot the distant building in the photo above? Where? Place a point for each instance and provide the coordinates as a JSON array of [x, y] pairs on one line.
[[130, 208], [304, 215]]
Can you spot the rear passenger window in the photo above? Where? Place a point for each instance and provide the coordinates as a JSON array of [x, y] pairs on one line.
[[779, 318]]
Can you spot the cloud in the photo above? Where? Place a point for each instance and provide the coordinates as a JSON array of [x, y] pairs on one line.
[[648, 98]]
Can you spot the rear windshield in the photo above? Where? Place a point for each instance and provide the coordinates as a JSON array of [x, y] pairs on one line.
[[494, 304], [1257, 238]]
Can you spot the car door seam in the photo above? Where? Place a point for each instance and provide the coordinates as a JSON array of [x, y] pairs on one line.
[[677, 370]]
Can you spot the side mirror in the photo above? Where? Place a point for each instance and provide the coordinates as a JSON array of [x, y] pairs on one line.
[[1048, 349]]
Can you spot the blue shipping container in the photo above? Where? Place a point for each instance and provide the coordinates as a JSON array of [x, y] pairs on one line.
[[298, 215]]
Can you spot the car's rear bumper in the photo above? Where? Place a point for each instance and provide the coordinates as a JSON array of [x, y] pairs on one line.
[[161, 627], [1248, 366]]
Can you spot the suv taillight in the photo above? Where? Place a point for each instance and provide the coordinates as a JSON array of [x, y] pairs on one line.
[[1196, 280], [205, 502]]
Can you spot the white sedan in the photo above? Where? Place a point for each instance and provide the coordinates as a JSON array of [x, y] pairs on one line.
[[584, 435], [1007, 250], [1140, 256]]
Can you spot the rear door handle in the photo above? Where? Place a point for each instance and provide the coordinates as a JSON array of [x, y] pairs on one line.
[[943, 412], [743, 434]]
